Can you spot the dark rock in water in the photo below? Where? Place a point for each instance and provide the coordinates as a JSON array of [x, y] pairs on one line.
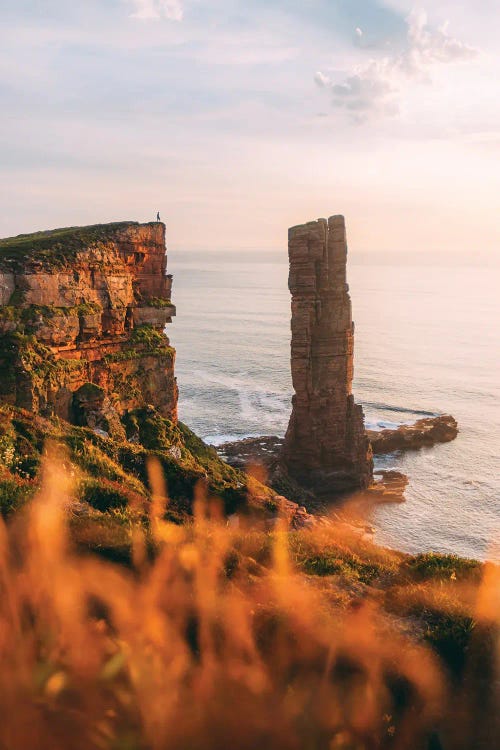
[[263, 450], [389, 487], [300, 507], [425, 432], [326, 448]]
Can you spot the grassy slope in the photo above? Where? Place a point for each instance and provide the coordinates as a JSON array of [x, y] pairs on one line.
[[55, 247], [111, 483], [112, 476]]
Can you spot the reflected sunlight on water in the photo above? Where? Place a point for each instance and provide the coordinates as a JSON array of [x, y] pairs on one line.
[[426, 342]]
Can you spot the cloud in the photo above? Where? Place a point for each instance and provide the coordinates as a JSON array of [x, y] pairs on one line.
[[147, 9], [322, 80], [375, 88], [428, 46], [371, 89]]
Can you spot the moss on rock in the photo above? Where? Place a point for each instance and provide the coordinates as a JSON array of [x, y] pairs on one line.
[[56, 248], [185, 459]]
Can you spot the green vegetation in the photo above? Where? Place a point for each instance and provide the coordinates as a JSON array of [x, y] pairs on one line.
[[10, 313], [113, 473], [144, 340], [147, 336], [56, 248], [423, 592], [23, 353], [435, 566], [104, 495], [285, 660], [327, 556], [440, 613], [14, 495], [26, 320], [158, 302], [88, 308]]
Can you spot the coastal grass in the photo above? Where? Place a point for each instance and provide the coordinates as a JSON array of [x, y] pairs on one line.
[[431, 565], [145, 601], [159, 303], [185, 460], [28, 315], [145, 340], [205, 636], [55, 248]]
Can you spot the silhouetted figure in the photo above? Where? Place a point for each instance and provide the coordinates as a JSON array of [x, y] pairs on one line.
[[158, 216]]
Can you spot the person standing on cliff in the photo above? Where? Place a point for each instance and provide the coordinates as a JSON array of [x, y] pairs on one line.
[[158, 216]]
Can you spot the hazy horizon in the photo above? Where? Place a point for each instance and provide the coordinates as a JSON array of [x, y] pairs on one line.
[[237, 122]]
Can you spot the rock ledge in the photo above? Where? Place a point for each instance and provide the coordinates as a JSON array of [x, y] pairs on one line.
[[424, 433]]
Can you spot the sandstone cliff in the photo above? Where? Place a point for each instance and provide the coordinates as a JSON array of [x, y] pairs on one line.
[[82, 315], [326, 447], [82, 318]]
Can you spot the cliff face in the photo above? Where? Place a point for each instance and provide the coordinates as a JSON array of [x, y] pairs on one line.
[[325, 447], [82, 313]]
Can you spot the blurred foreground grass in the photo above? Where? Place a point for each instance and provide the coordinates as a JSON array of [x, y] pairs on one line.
[[200, 635]]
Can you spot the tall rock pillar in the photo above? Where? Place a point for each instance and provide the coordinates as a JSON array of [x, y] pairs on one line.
[[326, 447]]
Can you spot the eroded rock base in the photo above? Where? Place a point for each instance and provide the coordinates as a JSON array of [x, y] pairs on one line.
[[386, 487], [424, 433]]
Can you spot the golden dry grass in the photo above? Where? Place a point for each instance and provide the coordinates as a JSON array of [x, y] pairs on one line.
[[207, 647]]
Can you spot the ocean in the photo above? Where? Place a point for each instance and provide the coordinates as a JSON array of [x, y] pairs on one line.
[[427, 342]]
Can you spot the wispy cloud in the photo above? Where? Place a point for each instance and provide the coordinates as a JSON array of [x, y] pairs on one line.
[[149, 9], [375, 87]]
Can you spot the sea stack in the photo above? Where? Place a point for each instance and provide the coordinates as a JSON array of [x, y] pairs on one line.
[[326, 447]]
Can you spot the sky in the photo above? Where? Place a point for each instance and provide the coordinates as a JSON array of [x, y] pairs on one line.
[[239, 118]]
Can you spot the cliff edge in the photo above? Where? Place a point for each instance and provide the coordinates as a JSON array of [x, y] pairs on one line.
[[85, 362], [82, 318]]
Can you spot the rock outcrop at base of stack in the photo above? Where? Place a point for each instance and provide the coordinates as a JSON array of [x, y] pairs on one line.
[[82, 317], [326, 448], [388, 485], [424, 433]]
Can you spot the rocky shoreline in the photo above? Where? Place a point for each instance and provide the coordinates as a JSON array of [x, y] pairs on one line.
[[423, 433], [387, 486], [83, 312]]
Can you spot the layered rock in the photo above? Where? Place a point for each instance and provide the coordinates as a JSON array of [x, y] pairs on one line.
[[424, 433], [326, 447], [84, 306]]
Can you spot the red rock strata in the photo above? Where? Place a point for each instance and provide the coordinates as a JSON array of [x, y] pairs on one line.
[[87, 306], [326, 447]]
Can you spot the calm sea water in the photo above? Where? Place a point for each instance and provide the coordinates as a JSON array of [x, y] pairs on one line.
[[427, 341]]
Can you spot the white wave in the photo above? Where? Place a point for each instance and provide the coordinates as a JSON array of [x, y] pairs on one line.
[[241, 382], [222, 438]]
